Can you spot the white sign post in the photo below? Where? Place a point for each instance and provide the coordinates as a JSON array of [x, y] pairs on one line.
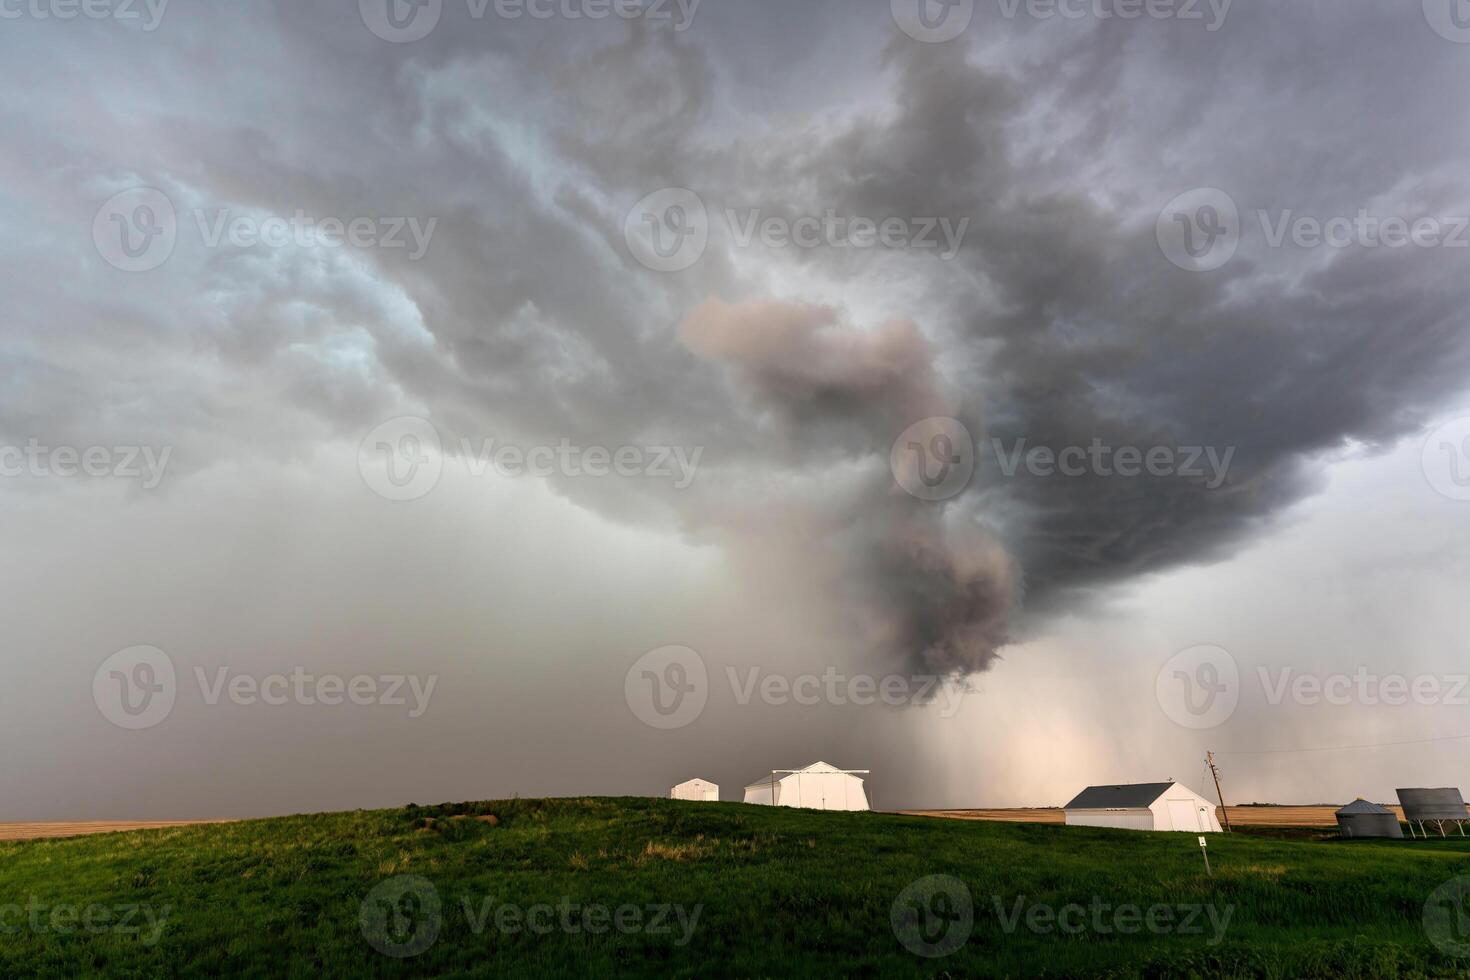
[[1204, 852]]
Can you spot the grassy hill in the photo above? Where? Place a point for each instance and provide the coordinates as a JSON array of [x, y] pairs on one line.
[[594, 887]]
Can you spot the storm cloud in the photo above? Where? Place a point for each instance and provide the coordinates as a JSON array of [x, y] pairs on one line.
[[1059, 322]]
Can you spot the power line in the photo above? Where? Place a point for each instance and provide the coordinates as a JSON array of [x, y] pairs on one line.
[[1338, 748]]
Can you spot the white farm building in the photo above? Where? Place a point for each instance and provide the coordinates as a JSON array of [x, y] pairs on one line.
[[817, 787], [699, 790], [1143, 806]]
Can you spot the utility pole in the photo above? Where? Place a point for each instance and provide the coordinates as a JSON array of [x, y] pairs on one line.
[[1210, 761]]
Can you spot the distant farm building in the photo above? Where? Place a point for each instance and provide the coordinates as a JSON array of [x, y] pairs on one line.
[[1434, 806], [699, 790], [1143, 806], [1363, 819], [817, 787]]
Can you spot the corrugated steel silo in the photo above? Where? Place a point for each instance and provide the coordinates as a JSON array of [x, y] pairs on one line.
[[1363, 819]]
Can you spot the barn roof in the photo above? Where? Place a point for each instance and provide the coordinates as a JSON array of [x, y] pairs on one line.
[[1129, 796], [1361, 805]]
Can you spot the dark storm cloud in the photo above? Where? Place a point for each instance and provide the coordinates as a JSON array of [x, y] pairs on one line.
[[1059, 322]]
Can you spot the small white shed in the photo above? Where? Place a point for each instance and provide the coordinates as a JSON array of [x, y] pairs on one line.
[[1143, 806], [819, 786], [699, 790]]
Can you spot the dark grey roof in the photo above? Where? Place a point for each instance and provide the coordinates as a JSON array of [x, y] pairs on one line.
[[1127, 797], [1361, 805]]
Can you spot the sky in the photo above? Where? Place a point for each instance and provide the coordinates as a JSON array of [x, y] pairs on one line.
[[407, 402]]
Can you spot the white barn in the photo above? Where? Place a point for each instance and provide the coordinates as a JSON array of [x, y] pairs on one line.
[[1143, 806], [699, 790], [817, 787]]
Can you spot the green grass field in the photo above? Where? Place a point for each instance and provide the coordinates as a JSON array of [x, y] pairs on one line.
[[596, 887]]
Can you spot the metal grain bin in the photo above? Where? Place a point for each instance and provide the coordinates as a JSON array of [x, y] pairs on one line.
[[1363, 819]]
